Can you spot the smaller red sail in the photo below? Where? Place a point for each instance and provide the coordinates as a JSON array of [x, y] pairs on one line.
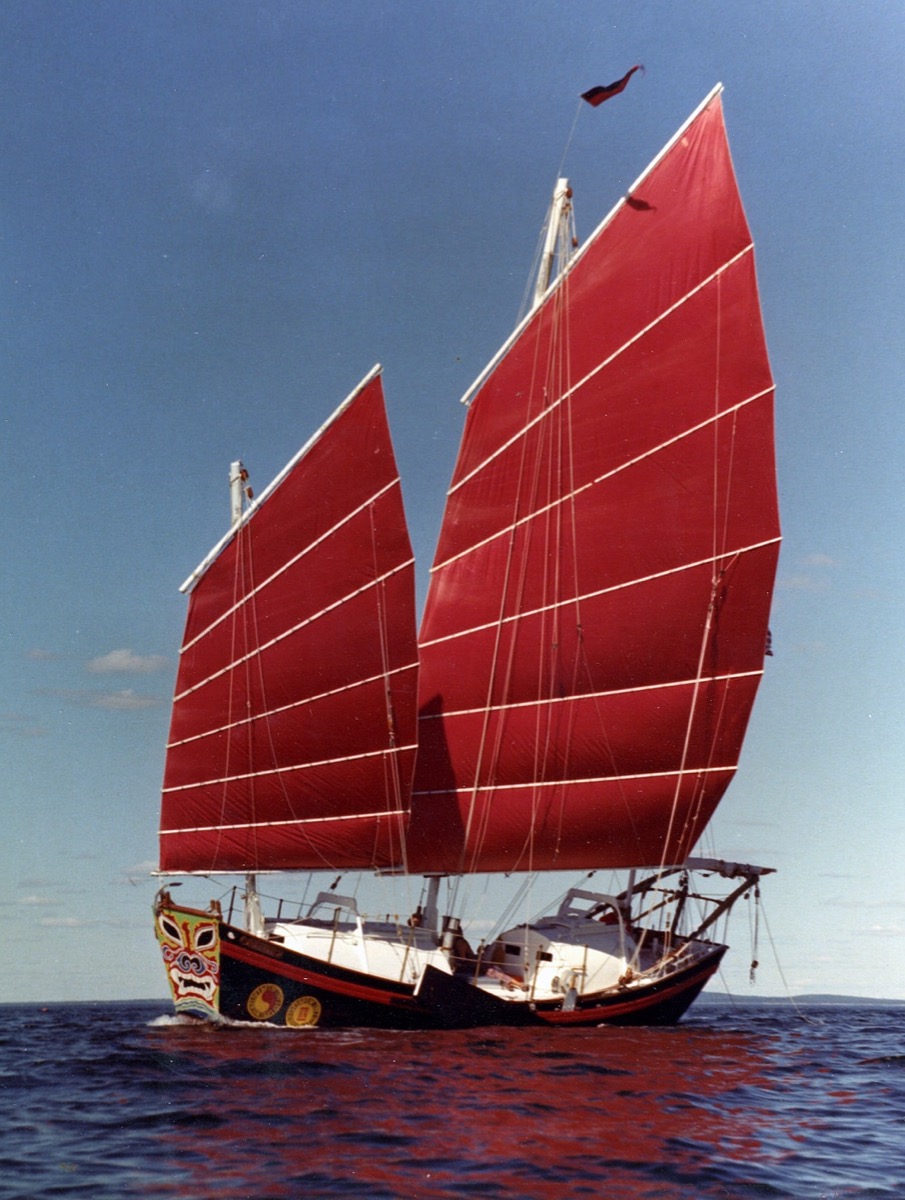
[[293, 728]]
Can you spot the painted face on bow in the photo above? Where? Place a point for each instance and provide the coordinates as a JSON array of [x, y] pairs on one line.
[[191, 953]]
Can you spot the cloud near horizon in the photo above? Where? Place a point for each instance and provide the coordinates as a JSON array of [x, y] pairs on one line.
[[126, 661], [125, 700]]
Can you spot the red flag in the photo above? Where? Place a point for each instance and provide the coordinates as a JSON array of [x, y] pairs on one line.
[[597, 95]]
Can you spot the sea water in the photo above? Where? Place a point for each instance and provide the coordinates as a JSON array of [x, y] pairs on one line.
[[122, 1100]]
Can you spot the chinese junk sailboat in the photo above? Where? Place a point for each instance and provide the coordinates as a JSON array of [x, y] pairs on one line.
[[593, 638]]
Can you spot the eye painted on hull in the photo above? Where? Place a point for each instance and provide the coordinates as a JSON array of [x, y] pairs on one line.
[[169, 928], [205, 937]]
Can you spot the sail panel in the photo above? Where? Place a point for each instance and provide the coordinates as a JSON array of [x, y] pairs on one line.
[[629, 637], [295, 709], [343, 844], [559, 548], [611, 527], [493, 834], [342, 787], [599, 736]]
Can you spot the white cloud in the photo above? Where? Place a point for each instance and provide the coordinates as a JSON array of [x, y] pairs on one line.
[[35, 900], [124, 701], [126, 661], [801, 583], [21, 726], [139, 874], [821, 560]]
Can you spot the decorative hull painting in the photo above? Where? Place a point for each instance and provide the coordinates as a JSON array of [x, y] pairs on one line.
[[190, 945]]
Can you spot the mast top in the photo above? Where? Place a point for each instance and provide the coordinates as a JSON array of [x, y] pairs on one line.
[[557, 238]]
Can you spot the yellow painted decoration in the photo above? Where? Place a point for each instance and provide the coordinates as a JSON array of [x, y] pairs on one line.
[[264, 1001], [304, 1011]]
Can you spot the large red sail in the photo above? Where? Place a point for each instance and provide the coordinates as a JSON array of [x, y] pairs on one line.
[[597, 617], [293, 730]]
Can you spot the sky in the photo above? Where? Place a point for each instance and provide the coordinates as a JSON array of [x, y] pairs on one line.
[[215, 217]]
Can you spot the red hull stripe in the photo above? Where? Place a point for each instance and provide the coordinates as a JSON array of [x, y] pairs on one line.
[[313, 978], [606, 1011]]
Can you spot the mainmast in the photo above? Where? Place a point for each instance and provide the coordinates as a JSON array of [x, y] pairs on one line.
[[558, 238]]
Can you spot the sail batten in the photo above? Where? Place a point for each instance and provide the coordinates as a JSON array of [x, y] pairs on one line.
[[767, 393], [611, 358], [372, 816], [553, 700], [295, 704], [570, 601], [259, 588], [541, 784], [294, 629], [286, 770], [595, 626]]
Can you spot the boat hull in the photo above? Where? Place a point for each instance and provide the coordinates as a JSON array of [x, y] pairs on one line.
[[219, 972], [657, 1002]]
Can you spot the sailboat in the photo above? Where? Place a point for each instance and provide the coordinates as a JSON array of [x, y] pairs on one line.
[[593, 637]]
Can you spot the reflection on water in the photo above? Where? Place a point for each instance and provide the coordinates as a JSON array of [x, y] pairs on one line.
[[114, 1101], [670, 1113]]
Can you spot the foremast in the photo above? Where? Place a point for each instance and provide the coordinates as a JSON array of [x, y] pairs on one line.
[[239, 493]]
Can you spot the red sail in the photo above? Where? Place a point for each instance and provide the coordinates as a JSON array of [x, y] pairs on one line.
[[597, 617], [293, 730]]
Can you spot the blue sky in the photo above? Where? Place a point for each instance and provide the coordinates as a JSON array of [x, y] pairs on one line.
[[217, 216]]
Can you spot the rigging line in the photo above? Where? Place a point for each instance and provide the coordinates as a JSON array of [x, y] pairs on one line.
[[694, 813], [549, 455], [256, 720], [249, 617], [720, 536], [238, 572], [717, 548], [705, 638], [562, 161], [785, 983], [560, 475], [500, 622], [393, 784]]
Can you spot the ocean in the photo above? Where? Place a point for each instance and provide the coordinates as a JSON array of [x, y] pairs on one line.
[[123, 1100]]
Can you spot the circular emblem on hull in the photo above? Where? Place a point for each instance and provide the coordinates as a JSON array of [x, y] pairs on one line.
[[304, 1011], [264, 1001]]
